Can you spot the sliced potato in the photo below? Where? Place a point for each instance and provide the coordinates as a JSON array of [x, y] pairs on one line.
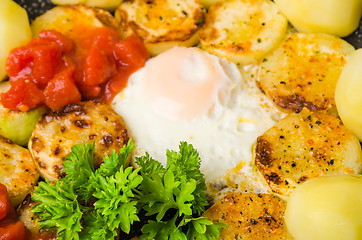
[[110, 5], [209, 3], [242, 30], [56, 132], [348, 94], [306, 145], [250, 216], [72, 20], [27, 216], [162, 24], [326, 208], [336, 17], [303, 71], [14, 30], [18, 172]]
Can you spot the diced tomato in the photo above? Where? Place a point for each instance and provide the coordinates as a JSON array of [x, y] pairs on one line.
[[131, 52], [23, 96], [61, 91], [47, 58], [99, 67], [6, 209], [13, 231], [51, 35], [39, 71], [10, 229]]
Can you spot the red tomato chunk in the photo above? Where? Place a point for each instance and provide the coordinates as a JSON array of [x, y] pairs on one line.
[[10, 228], [55, 70]]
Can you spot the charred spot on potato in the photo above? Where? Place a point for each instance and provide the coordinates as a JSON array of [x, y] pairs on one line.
[[57, 150], [58, 170], [263, 153], [81, 124], [107, 140], [92, 136], [41, 164]]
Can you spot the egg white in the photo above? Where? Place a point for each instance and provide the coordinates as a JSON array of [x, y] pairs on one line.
[[223, 133]]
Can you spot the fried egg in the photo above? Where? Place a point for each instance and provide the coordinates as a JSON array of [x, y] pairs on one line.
[[186, 94]]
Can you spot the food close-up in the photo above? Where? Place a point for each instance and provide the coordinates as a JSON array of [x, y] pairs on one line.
[[180, 119]]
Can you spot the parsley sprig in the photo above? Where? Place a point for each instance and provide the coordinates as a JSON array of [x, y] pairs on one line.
[[91, 203]]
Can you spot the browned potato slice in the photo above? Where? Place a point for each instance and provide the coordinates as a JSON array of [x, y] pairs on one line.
[[27, 216], [72, 20], [250, 216], [243, 31], [303, 71], [306, 145], [56, 132], [162, 24], [17, 170]]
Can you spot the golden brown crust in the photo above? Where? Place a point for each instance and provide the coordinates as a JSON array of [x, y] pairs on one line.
[[160, 20], [242, 30], [56, 132], [303, 71], [250, 216], [70, 19], [303, 146], [17, 170]]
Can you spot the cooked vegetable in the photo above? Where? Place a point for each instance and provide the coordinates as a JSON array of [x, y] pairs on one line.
[[250, 216], [71, 20], [209, 3], [348, 94], [110, 5], [23, 122], [335, 17], [303, 71], [14, 30], [326, 208], [17, 170], [242, 30], [306, 145], [162, 24], [56, 132], [118, 194]]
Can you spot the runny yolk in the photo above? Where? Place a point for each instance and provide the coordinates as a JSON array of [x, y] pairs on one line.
[[182, 83]]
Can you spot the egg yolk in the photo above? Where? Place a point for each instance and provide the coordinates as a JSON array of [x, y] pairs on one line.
[[183, 83]]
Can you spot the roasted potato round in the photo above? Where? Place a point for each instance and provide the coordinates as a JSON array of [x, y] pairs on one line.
[[303, 71], [72, 20], [18, 172], [306, 145], [250, 216], [243, 31], [162, 24], [56, 132]]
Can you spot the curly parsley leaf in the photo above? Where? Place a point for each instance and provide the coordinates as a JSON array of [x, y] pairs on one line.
[[116, 202], [179, 190], [96, 204], [78, 168], [203, 229], [58, 207]]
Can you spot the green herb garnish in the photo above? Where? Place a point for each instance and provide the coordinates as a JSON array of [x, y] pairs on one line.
[[93, 203]]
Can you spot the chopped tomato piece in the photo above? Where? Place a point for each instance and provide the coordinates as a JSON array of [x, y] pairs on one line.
[[51, 35], [13, 231], [98, 67], [23, 96], [131, 52], [6, 209], [61, 91], [39, 71]]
